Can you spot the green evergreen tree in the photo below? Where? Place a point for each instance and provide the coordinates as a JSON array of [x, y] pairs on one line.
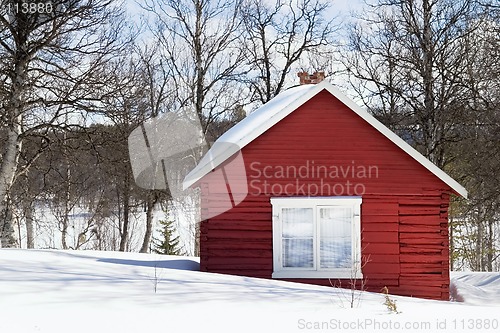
[[167, 243]]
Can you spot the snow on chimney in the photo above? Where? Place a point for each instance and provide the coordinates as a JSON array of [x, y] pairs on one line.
[[315, 78]]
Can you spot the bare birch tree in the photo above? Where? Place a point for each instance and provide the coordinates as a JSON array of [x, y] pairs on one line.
[[199, 40], [201, 50], [159, 98], [277, 35], [48, 58], [475, 241], [406, 56], [429, 70]]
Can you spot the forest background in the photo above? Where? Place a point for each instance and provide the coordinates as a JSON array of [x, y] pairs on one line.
[[77, 76]]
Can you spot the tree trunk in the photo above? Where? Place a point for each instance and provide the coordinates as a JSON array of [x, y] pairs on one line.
[[150, 205], [200, 74], [197, 234], [7, 173], [14, 115], [30, 234], [491, 245], [431, 133], [64, 232], [479, 242], [67, 198], [126, 214]]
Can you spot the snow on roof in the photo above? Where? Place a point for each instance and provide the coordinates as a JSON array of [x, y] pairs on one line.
[[278, 108]]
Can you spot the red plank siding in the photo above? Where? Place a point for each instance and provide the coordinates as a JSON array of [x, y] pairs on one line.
[[403, 214]]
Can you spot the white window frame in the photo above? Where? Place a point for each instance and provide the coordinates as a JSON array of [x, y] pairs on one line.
[[278, 203]]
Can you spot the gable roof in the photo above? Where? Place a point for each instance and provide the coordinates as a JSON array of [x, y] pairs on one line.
[[278, 108]]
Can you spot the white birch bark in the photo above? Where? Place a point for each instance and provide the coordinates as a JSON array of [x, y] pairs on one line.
[[8, 169]]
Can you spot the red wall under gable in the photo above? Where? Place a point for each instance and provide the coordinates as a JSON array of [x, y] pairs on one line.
[[325, 131], [403, 215]]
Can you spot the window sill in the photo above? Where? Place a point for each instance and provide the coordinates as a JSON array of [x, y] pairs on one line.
[[303, 274]]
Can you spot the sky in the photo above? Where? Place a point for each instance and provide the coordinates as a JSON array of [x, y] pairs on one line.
[[341, 8]]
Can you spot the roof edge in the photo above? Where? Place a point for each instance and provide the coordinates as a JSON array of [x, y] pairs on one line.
[[203, 169], [398, 141]]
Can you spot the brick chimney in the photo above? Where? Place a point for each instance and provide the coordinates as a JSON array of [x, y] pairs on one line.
[[315, 78]]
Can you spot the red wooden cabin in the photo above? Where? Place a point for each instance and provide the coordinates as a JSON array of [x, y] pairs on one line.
[[327, 194]]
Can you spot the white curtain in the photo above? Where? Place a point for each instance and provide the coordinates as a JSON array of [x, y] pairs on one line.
[[298, 237], [335, 225]]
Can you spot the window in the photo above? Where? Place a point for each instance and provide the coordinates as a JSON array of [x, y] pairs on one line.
[[316, 237]]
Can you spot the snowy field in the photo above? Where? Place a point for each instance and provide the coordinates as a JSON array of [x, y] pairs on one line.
[[85, 291]]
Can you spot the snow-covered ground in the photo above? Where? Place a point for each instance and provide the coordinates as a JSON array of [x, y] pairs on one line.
[[477, 288], [85, 291]]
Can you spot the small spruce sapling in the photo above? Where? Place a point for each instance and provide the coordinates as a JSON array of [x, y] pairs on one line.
[[167, 244]]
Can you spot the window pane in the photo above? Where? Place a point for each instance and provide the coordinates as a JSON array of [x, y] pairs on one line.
[[297, 236], [297, 222], [298, 253], [335, 237]]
